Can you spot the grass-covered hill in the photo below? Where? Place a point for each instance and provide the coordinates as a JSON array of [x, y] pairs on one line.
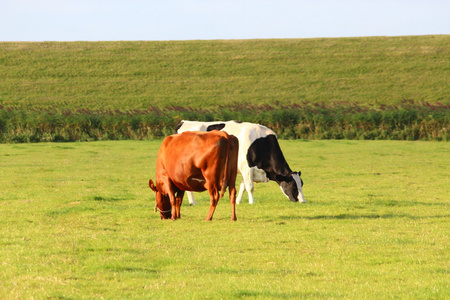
[[377, 87]]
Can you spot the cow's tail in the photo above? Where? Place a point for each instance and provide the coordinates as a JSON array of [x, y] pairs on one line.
[[224, 182]]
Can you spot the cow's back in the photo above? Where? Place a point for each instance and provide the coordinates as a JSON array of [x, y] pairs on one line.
[[246, 132]]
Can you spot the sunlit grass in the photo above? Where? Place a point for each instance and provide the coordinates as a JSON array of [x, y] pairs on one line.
[[77, 222], [137, 75]]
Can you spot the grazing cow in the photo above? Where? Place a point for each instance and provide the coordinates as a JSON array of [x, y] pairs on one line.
[[260, 157], [195, 161]]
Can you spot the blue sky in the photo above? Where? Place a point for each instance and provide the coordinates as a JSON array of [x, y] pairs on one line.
[[111, 20]]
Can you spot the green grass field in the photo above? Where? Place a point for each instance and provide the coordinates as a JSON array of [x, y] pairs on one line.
[[136, 75], [77, 222]]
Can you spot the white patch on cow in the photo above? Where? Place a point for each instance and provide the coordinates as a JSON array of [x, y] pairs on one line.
[[300, 196], [259, 175], [198, 179], [191, 198], [193, 126]]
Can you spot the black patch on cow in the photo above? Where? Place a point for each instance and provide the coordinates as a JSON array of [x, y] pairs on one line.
[[178, 126], [218, 126], [289, 187], [265, 153]]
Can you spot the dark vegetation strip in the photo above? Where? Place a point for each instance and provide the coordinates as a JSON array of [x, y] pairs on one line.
[[405, 121]]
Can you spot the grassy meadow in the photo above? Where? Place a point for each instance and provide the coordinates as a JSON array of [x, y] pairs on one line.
[[78, 223], [199, 74]]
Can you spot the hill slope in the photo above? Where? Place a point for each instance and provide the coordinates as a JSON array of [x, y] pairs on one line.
[[136, 75]]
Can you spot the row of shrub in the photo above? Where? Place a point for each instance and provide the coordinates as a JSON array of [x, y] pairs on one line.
[[406, 121]]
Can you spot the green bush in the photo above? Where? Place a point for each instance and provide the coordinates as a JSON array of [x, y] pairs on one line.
[[408, 121]]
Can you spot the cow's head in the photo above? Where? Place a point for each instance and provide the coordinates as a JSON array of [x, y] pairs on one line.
[[291, 186], [162, 202]]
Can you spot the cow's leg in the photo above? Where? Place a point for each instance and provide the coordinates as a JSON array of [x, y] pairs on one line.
[[212, 208], [173, 201], [232, 192], [179, 200], [251, 200], [191, 198], [241, 193], [214, 199], [173, 205], [247, 176], [247, 184]]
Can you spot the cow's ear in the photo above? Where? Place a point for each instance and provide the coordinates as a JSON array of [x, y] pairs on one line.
[[152, 185], [299, 173]]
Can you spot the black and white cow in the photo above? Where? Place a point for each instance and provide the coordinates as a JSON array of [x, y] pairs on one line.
[[260, 158]]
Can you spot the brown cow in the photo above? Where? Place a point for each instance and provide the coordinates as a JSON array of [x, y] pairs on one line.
[[195, 161]]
